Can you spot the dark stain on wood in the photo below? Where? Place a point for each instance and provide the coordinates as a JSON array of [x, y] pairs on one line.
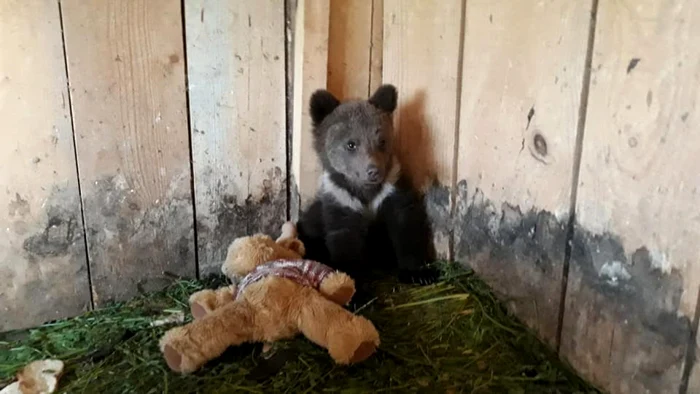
[[519, 254], [58, 235], [131, 244], [622, 322], [437, 205], [530, 114], [55, 283], [632, 64], [236, 218], [294, 198], [18, 207]]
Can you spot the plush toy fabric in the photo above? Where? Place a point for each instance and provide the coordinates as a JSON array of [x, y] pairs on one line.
[[305, 272], [279, 296]]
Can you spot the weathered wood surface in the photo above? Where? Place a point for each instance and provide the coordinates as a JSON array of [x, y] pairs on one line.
[[519, 112], [43, 264], [633, 281], [421, 58], [311, 32], [349, 55], [236, 74], [127, 78], [376, 58]]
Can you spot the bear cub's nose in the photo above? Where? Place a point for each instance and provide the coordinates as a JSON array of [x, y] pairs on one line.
[[373, 174]]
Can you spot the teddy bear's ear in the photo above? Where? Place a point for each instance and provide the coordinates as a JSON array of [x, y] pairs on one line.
[[246, 253], [294, 245], [298, 247]]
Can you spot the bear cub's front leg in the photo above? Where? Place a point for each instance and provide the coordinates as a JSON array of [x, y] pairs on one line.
[[408, 229]]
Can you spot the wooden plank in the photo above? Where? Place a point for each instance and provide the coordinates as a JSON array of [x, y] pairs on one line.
[[421, 56], [519, 112], [377, 46], [311, 32], [290, 8], [633, 281], [236, 74], [349, 51], [42, 252], [126, 69]]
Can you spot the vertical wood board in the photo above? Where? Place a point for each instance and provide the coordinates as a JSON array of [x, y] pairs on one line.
[[519, 112], [290, 20], [236, 63], [376, 46], [43, 262], [310, 73], [633, 280], [126, 71], [421, 57], [349, 49]]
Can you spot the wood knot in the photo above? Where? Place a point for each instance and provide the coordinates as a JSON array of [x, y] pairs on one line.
[[540, 144], [538, 148]]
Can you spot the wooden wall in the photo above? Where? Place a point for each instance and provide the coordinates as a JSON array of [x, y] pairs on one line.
[[555, 142]]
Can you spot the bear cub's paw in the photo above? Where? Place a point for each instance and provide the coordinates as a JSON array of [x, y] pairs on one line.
[[422, 276]]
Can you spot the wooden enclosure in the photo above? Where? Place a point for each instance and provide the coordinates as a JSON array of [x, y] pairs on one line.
[[554, 140]]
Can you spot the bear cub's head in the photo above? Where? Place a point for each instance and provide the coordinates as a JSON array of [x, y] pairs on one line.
[[354, 138]]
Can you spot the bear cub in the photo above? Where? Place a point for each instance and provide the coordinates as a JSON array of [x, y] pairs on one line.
[[366, 217]]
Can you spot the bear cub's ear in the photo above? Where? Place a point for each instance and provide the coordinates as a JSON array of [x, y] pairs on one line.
[[321, 104], [384, 98]]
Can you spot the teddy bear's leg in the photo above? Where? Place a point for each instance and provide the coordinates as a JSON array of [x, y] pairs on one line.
[[349, 338], [189, 347], [206, 301]]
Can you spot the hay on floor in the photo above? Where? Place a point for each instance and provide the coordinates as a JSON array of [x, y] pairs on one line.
[[451, 337]]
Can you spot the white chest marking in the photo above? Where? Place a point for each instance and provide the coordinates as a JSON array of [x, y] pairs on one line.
[[342, 197]]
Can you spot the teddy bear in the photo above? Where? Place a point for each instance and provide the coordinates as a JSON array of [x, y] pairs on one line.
[[245, 254], [276, 295]]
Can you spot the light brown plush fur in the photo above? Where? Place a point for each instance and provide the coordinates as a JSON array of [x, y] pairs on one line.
[[271, 309]]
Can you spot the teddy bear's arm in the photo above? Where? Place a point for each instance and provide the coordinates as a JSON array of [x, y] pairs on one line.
[[338, 287], [206, 301]]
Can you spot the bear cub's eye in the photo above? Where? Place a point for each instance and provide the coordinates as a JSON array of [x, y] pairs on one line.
[[351, 146], [382, 144]]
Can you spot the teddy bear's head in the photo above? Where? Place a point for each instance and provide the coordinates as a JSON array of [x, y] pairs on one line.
[[246, 253]]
